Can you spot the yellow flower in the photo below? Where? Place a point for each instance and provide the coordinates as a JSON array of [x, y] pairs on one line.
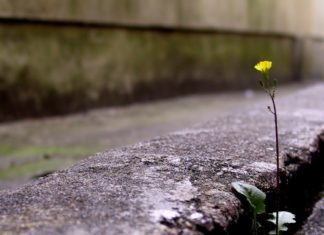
[[263, 66]]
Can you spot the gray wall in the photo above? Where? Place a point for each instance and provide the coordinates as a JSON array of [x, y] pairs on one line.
[[63, 56], [289, 16]]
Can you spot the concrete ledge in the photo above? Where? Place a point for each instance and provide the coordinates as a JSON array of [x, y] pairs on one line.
[[175, 183], [315, 223]]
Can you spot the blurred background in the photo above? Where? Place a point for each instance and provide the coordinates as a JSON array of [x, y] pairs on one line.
[[79, 76]]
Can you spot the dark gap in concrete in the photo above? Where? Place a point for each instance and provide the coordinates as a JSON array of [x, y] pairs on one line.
[[299, 191], [303, 188]]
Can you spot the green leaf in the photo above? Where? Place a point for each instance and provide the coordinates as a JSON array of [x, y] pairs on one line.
[[285, 217], [253, 195]]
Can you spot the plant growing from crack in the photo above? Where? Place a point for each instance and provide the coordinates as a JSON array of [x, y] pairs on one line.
[[255, 196], [269, 86]]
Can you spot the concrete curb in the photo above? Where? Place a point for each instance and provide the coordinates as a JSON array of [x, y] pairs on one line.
[[175, 184]]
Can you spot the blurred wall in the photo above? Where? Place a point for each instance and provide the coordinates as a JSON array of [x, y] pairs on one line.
[[63, 56], [313, 42], [276, 16]]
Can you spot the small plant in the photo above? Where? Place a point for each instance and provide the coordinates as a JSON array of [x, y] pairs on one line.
[[284, 218], [269, 85], [252, 193], [255, 197]]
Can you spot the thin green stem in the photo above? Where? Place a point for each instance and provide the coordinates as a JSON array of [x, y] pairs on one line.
[[255, 224], [278, 170]]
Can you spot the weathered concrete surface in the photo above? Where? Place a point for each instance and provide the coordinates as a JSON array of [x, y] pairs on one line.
[[45, 51], [290, 16], [315, 223], [182, 178], [34, 147], [54, 69]]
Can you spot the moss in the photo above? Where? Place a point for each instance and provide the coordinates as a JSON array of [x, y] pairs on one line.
[[33, 168], [9, 151], [6, 149], [34, 160]]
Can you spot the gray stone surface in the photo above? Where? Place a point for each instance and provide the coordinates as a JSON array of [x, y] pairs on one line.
[[315, 223], [182, 179]]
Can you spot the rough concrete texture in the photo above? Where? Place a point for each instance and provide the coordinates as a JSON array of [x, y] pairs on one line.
[[34, 147], [174, 184], [315, 223]]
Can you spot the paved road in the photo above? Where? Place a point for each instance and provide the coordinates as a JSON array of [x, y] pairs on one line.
[[33, 147]]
